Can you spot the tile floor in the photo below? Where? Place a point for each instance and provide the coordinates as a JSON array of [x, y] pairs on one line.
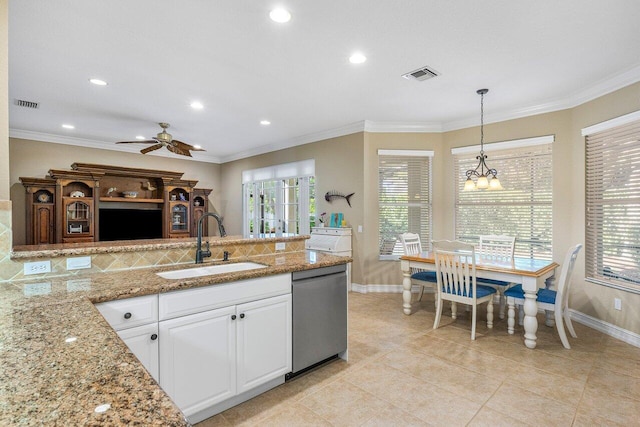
[[401, 372]]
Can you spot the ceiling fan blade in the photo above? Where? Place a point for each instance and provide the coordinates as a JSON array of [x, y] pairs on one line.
[[146, 141], [176, 149], [150, 149], [186, 146]]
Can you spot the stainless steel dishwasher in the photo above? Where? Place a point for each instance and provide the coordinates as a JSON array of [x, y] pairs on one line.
[[319, 316]]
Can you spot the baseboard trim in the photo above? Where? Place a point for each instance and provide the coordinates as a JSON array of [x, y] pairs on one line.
[[606, 328]]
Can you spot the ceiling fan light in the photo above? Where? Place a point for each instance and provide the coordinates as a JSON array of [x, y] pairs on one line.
[[140, 137], [483, 183], [469, 185]]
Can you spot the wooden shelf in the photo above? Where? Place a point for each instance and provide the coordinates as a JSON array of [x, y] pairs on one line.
[[130, 200]]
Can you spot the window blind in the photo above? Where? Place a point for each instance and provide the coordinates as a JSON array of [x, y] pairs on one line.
[[404, 195], [523, 209], [612, 244]]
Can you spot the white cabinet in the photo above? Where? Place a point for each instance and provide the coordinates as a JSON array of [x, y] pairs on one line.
[[136, 321], [143, 343], [264, 341], [197, 366], [219, 343]]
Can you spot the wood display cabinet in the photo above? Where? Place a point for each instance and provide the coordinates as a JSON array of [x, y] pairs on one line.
[[200, 206], [77, 218], [65, 206], [40, 210], [178, 209]]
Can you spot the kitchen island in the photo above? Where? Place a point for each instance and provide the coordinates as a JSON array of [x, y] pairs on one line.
[[61, 362]]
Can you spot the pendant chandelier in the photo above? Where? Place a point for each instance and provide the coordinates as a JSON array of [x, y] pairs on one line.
[[487, 178]]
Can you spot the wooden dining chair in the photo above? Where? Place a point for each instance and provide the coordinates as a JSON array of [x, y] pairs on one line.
[[548, 299], [456, 276], [497, 249], [422, 278]]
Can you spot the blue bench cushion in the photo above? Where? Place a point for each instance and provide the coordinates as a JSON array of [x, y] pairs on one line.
[[481, 291], [492, 282], [544, 295], [425, 276]]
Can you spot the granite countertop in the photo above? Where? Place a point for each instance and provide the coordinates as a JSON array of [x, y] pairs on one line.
[[60, 360]]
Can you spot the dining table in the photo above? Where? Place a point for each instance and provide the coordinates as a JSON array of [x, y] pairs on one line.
[[530, 272]]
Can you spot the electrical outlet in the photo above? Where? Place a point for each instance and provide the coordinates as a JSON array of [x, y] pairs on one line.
[[37, 267], [78, 263], [280, 246], [617, 303]]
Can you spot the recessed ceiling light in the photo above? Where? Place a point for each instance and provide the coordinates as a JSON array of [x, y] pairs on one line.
[[357, 58], [70, 339], [68, 126], [140, 137], [265, 122], [197, 147], [280, 15], [197, 105], [98, 82]]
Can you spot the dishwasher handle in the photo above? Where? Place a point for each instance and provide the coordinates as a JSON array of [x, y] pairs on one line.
[[318, 272]]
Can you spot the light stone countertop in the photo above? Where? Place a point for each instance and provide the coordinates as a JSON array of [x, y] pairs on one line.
[[46, 380]]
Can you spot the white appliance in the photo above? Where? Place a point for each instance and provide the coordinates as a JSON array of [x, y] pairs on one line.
[[333, 241]]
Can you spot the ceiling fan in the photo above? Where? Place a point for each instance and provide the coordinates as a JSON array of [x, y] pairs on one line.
[[164, 139]]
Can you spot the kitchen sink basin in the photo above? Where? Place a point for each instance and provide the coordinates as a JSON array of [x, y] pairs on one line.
[[209, 270]]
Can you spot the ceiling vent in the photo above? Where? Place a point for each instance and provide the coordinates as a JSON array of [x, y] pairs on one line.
[[26, 104], [420, 74]]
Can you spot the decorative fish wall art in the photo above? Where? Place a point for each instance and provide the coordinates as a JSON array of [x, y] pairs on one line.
[[332, 195]]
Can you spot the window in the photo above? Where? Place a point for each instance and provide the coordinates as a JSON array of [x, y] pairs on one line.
[[279, 200], [404, 192], [523, 209], [612, 244]]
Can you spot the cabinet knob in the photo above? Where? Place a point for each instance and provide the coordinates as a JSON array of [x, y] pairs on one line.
[[127, 315], [233, 317], [242, 316], [154, 337]]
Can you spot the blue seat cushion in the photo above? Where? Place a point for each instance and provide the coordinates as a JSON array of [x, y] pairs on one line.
[[493, 282], [544, 295], [481, 291], [425, 276]]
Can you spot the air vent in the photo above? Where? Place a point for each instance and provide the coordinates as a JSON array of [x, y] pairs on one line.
[[26, 104], [420, 74]]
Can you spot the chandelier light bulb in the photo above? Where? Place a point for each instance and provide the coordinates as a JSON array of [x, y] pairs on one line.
[[483, 183], [494, 184]]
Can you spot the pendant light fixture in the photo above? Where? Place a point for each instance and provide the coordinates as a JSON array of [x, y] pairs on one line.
[[487, 177]]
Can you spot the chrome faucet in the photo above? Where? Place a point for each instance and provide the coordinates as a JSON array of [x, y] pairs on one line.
[[201, 254]]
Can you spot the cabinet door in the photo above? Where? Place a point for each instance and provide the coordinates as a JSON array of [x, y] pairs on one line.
[[197, 359], [143, 342], [264, 341]]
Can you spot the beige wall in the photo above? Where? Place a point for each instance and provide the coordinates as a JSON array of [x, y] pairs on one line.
[[339, 166], [589, 298], [34, 159], [4, 100], [388, 272]]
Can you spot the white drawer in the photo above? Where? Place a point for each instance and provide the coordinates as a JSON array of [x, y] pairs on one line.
[[130, 312], [189, 301]]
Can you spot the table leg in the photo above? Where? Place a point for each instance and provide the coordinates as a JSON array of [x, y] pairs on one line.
[[530, 319], [406, 287]]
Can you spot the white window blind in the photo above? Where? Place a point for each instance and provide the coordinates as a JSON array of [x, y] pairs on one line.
[[523, 209], [612, 246], [404, 194]]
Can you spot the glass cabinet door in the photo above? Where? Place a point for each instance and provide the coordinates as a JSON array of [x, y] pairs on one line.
[[179, 218], [78, 215]]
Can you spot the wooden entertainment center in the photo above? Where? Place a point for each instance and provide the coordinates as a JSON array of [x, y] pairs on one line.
[[65, 206]]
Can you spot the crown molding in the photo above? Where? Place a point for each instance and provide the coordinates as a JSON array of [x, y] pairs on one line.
[[104, 145], [598, 89]]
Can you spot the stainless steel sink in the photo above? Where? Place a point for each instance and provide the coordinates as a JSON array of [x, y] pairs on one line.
[[209, 270]]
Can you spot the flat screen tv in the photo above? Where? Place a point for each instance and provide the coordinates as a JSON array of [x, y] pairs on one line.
[[130, 224]]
